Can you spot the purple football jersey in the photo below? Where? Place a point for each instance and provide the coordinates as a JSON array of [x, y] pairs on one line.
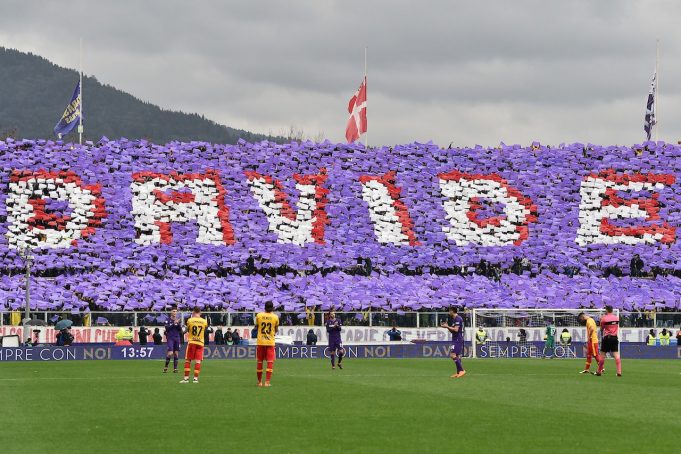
[[333, 328], [453, 322], [173, 330]]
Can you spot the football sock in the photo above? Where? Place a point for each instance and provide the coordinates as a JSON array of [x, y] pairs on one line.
[[459, 366], [197, 369], [618, 363], [258, 370], [340, 357], [268, 372], [601, 363], [174, 363], [187, 367], [588, 363], [167, 361], [333, 360]]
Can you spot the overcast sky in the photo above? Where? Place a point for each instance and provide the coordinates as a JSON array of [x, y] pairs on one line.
[[473, 72]]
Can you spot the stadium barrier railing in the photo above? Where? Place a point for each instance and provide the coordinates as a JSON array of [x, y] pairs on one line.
[[649, 319]]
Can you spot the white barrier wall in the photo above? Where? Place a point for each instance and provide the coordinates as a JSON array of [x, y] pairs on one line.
[[350, 334]]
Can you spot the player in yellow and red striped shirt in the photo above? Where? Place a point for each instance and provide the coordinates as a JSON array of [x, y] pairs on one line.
[[196, 328], [591, 341], [267, 324]]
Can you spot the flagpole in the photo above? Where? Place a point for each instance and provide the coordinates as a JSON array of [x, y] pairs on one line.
[[657, 88], [80, 124], [366, 101]]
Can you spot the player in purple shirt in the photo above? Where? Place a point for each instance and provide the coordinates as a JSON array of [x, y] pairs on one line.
[[455, 326], [333, 328], [173, 333]]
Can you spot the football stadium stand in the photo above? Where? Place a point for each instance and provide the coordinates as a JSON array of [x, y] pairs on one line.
[[129, 225]]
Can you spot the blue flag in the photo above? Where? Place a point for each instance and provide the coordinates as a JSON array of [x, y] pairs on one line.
[[71, 116]]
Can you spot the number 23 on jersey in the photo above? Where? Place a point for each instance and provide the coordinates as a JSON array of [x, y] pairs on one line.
[[267, 324]]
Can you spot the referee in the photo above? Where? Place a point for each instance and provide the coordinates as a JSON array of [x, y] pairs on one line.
[[610, 325]]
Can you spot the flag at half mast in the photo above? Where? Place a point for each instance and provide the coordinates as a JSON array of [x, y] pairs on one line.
[[650, 120], [357, 108], [71, 116]]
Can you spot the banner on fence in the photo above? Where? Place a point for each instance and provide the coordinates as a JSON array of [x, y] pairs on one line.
[[398, 350], [350, 334]]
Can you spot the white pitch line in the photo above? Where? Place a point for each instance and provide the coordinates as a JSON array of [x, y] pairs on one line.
[[234, 378]]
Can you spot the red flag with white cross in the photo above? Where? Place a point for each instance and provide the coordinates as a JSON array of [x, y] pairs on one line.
[[357, 108]]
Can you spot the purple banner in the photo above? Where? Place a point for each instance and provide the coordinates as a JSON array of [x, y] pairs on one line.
[[630, 350], [102, 352], [396, 350]]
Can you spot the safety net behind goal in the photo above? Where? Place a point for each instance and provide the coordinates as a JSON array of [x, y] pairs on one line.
[[529, 333]]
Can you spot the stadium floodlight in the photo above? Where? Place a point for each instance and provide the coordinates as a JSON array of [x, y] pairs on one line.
[[522, 333]]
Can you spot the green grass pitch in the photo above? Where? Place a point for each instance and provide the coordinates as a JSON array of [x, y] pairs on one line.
[[400, 405]]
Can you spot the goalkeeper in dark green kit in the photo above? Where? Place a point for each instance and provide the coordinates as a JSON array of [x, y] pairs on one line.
[[549, 340]]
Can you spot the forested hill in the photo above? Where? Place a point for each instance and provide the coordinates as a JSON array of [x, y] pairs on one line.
[[34, 93]]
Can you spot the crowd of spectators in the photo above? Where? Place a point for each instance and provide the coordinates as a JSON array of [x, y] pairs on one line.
[[226, 337], [124, 271]]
